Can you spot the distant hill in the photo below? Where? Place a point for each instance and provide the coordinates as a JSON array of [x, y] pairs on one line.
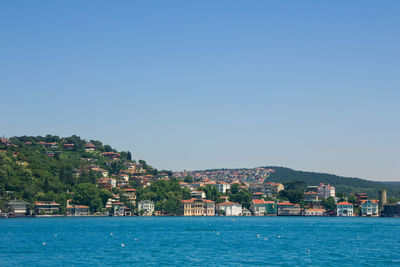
[[343, 184]]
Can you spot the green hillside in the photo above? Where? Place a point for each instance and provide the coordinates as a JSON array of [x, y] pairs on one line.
[[344, 185], [50, 168]]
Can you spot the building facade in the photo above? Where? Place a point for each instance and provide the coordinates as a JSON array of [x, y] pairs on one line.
[[198, 207], [370, 208], [325, 191], [288, 209], [230, 208], [18, 207], [344, 209], [314, 212], [223, 187], [260, 207], [147, 207], [46, 207], [78, 210], [272, 189]]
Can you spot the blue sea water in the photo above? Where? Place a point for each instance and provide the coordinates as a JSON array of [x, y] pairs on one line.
[[200, 241]]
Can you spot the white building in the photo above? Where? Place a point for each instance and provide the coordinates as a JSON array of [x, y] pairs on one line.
[[314, 212], [230, 208], [222, 187], [344, 209], [325, 191], [370, 208], [147, 206]]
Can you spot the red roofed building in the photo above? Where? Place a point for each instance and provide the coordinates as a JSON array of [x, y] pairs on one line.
[[111, 155], [260, 207], [198, 207], [89, 147]]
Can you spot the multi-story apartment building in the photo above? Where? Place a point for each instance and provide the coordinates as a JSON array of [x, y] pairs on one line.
[[223, 187], [272, 189], [325, 191]]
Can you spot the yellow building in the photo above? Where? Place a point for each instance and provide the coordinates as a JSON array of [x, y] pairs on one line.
[[198, 207]]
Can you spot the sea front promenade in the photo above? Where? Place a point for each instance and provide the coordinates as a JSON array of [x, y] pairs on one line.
[[200, 241]]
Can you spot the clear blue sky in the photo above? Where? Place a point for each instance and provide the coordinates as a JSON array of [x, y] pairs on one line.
[[311, 85]]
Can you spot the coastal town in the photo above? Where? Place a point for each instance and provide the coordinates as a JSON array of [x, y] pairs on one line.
[[133, 189]]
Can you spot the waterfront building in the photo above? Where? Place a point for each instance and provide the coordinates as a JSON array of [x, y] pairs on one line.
[[246, 212], [325, 191], [344, 209], [314, 212], [391, 210], [288, 209], [78, 210], [18, 207], [230, 208], [198, 207], [370, 208], [46, 207], [272, 189], [118, 209], [147, 207], [223, 187], [260, 207]]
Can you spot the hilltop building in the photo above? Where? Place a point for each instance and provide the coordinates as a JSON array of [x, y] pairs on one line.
[[325, 191]]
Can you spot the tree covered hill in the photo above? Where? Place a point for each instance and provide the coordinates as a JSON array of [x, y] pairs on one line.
[[50, 168], [344, 185]]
